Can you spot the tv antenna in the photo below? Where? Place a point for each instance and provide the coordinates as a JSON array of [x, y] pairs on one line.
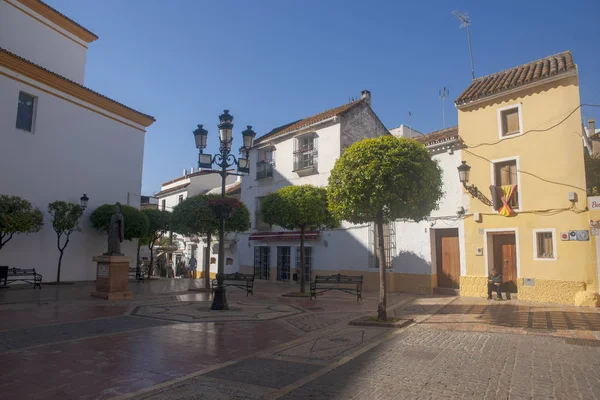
[[465, 21], [444, 93], [410, 120]]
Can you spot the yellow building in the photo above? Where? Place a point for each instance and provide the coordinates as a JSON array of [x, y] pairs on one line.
[[522, 131]]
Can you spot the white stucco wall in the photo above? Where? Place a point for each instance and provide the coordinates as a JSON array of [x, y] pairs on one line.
[[415, 242], [72, 151], [37, 42], [328, 145]]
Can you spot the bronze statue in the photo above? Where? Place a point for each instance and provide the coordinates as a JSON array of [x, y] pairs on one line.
[[116, 232]]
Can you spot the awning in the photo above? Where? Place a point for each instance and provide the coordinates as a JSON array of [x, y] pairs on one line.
[[266, 236]]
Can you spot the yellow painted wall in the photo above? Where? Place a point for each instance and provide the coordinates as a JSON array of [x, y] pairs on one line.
[[555, 155]]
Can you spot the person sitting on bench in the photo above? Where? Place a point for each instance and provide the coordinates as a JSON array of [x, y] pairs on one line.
[[494, 283]]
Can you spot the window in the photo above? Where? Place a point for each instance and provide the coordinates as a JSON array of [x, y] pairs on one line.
[[544, 245], [505, 174], [261, 262], [164, 204], [305, 155], [265, 163], [307, 263], [180, 198], [25, 112], [389, 239], [510, 121], [258, 221]]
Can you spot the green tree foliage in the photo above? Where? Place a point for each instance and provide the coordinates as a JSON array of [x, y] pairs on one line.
[[136, 222], [592, 174], [65, 221], [158, 224], [381, 180], [301, 207], [194, 217], [17, 216]]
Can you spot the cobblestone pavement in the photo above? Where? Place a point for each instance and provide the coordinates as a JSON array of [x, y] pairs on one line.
[[480, 315], [165, 344], [426, 363]]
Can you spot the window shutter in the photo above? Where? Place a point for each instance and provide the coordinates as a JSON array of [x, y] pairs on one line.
[[512, 121], [496, 201]]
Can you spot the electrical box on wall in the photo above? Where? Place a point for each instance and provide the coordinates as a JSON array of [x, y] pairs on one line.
[[477, 217], [572, 197], [479, 251]]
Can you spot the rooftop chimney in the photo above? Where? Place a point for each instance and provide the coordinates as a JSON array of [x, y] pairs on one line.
[[365, 94], [192, 170], [591, 127], [184, 172], [238, 178]]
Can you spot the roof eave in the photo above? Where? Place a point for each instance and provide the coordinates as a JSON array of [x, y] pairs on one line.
[[503, 93]]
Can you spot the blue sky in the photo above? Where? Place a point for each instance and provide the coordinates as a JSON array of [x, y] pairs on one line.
[[272, 62]]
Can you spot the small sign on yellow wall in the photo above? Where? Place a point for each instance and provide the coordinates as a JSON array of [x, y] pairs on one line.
[[594, 203]]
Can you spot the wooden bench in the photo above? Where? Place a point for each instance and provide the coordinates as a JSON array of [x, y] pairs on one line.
[[345, 283], [27, 275], [240, 281]]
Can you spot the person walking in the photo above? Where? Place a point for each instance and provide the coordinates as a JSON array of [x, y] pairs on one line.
[[193, 264]]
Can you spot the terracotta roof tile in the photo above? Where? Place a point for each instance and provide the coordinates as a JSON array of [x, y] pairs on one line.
[[518, 76], [443, 135], [308, 121]]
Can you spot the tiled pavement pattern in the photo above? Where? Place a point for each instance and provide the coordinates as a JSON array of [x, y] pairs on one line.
[[518, 317], [425, 363], [23, 338], [75, 347]]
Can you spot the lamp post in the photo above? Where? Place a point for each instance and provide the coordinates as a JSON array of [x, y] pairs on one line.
[[223, 159], [83, 201], [464, 171]]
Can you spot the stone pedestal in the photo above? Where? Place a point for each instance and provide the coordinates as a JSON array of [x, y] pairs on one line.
[[112, 277]]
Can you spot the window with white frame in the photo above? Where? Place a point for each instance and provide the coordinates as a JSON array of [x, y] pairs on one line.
[[505, 174], [305, 154], [265, 163], [544, 245], [510, 121], [25, 112], [259, 223]]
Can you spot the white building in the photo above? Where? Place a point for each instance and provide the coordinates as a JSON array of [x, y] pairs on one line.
[[304, 152], [431, 254], [60, 139], [189, 184]]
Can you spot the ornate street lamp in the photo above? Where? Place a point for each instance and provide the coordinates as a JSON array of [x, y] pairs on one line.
[[224, 159], [464, 171], [83, 201]]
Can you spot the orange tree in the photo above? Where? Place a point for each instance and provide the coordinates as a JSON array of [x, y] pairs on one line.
[[302, 207], [381, 180]]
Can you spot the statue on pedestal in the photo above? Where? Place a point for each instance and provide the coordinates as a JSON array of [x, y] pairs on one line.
[[116, 232]]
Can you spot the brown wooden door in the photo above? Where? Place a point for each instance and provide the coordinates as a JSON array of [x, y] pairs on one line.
[[505, 259], [448, 258]]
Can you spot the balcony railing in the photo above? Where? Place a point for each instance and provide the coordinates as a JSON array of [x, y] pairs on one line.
[[306, 159]]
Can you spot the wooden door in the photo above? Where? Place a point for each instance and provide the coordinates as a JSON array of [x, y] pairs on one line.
[[505, 260], [448, 258]]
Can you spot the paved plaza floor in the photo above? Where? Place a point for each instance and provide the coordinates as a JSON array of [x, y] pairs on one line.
[[165, 343]]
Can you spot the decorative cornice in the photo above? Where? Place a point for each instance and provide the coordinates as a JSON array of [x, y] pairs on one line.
[[59, 19], [27, 69]]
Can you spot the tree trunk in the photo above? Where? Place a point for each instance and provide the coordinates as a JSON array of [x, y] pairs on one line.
[[61, 250], [59, 263], [150, 267], [302, 266], [207, 263], [380, 247]]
